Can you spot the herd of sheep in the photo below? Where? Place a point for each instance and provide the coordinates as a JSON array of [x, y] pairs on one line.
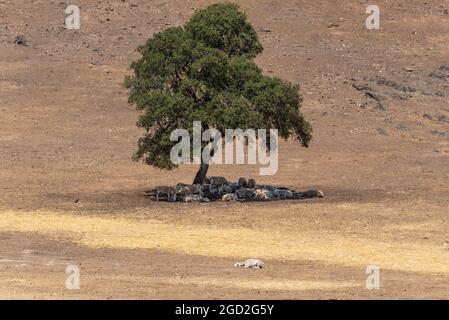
[[219, 188]]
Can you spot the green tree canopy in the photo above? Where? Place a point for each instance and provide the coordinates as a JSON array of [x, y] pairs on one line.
[[204, 71]]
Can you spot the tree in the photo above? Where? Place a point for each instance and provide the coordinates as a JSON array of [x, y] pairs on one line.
[[204, 71]]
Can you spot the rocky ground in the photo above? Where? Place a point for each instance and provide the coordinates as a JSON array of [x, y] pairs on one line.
[[70, 194]]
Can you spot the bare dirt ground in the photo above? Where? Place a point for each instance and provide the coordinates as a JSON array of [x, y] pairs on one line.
[[70, 194]]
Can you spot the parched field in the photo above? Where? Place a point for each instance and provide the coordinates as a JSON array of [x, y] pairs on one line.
[[311, 250], [70, 194]]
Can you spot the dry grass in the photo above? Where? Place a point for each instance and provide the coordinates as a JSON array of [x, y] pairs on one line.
[[279, 242]]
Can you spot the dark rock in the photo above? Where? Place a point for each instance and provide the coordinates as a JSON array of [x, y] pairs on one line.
[[440, 133], [381, 131], [398, 96], [395, 85], [439, 75], [444, 119], [20, 40], [369, 92], [381, 105], [362, 87], [373, 95], [444, 67]]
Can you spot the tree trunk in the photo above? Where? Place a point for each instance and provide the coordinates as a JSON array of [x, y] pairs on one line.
[[201, 174]]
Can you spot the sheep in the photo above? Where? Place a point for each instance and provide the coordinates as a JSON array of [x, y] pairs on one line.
[[250, 263], [264, 194], [229, 197]]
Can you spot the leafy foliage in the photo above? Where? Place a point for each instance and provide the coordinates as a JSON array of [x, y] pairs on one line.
[[205, 72], [224, 27]]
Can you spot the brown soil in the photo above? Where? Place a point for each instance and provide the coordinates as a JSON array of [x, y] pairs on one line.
[[70, 193]]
